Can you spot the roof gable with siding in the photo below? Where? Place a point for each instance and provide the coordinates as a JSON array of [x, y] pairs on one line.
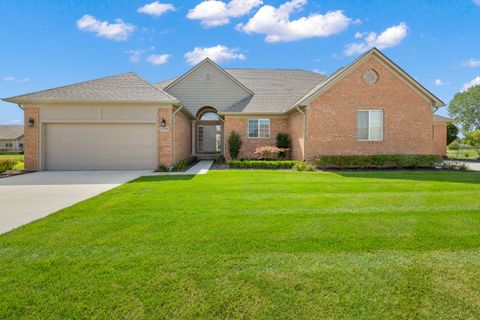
[[207, 85]]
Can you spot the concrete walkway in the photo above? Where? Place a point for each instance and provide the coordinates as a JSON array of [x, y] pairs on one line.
[[474, 166], [201, 167], [29, 197]]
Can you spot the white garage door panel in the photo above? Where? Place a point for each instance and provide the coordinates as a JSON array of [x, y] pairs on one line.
[[100, 146]]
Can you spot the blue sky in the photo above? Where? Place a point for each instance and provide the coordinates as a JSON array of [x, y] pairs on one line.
[[51, 43]]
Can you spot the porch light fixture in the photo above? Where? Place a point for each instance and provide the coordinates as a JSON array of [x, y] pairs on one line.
[[30, 122], [163, 124]]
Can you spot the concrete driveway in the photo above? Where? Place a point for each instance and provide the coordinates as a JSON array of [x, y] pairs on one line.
[[28, 197]]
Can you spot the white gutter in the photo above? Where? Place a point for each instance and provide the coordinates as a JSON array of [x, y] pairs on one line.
[[173, 129], [304, 132], [20, 106]]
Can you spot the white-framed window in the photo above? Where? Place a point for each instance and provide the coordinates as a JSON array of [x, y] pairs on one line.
[[259, 128], [370, 125]]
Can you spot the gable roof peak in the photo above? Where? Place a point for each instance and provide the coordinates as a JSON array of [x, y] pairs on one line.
[[198, 65]]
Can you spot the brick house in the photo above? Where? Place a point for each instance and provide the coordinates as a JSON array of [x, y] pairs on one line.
[[370, 106]]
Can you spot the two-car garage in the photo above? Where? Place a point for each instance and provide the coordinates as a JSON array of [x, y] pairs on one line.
[[100, 146]]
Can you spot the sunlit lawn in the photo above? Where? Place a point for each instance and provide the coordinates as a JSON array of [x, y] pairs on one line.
[[254, 245], [462, 154]]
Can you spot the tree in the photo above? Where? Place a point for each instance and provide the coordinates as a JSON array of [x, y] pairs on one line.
[[465, 108], [452, 133], [473, 139], [234, 144]]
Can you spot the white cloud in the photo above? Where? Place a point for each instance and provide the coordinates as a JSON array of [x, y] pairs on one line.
[[276, 23], [14, 79], [477, 2], [391, 37], [156, 8], [439, 82], [472, 62], [137, 54], [216, 13], [118, 31], [217, 53], [158, 59], [474, 82]]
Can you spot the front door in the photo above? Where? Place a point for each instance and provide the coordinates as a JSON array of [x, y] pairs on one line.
[[209, 138]]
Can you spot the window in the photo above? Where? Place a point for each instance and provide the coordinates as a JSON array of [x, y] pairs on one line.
[[259, 128], [9, 145], [370, 125], [21, 145], [209, 116]]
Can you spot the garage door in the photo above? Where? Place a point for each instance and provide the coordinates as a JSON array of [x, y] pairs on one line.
[[100, 146]]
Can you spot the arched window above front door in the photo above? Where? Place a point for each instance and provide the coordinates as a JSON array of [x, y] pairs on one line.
[[209, 116]]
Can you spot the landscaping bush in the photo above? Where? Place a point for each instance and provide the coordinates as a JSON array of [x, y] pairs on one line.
[[269, 153], [7, 164], [234, 144], [162, 168], [261, 164], [219, 159], [303, 166], [378, 161], [181, 165], [283, 142]]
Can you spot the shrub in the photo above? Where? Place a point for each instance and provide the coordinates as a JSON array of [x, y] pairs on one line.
[[303, 166], [7, 164], [162, 168], [378, 161], [234, 144], [268, 153], [283, 142], [261, 164], [455, 145], [219, 159], [181, 165]]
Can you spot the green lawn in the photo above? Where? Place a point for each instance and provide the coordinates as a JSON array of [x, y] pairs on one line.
[[462, 154], [19, 157], [254, 245]]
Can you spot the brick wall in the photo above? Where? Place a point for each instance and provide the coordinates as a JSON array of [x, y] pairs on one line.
[[164, 137], [295, 126], [183, 137], [331, 117], [240, 125], [32, 139], [440, 138]]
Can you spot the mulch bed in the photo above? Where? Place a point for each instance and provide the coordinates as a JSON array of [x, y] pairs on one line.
[[11, 173]]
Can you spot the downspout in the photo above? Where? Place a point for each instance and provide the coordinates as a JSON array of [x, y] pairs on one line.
[[173, 129], [304, 132]]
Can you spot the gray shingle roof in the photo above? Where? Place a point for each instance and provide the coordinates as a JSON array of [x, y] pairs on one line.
[[124, 87], [442, 118], [275, 90], [10, 132]]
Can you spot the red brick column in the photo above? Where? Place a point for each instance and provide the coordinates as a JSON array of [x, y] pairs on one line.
[[32, 139]]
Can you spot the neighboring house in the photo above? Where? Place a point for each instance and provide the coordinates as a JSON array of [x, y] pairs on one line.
[[123, 122], [11, 138]]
